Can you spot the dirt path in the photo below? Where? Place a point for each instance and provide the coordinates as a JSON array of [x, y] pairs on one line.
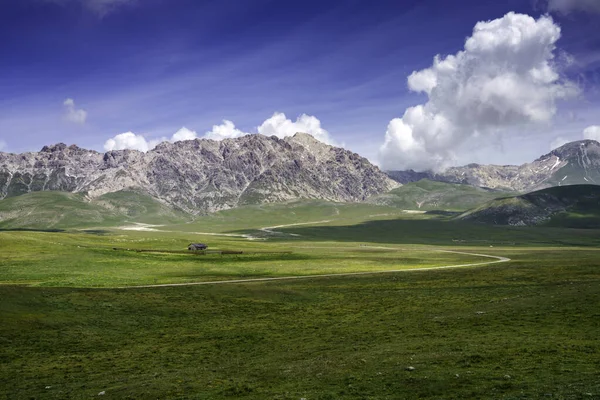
[[271, 229], [138, 226], [497, 260]]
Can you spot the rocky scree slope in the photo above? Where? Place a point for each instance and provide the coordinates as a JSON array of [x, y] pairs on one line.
[[201, 175], [571, 164]]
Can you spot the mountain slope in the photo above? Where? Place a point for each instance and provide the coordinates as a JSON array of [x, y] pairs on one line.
[[571, 164], [568, 206], [48, 210], [430, 195], [200, 176]]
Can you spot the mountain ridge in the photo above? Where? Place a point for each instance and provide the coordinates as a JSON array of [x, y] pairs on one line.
[[201, 175], [573, 163]]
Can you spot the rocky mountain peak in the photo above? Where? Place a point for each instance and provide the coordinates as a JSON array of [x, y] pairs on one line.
[[314, 146], [573, 163], [575, 149], [54, 148]]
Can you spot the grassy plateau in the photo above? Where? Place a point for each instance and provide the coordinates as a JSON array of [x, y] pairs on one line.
[[73, 324]]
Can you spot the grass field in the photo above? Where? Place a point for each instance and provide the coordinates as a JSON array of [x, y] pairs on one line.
[[80, 260], [523, 329]]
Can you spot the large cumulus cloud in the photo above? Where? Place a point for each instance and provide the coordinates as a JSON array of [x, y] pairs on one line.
[[504, 77]]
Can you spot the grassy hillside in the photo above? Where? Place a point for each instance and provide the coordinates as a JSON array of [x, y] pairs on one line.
[[431, 195], [576, 206], [139, 207], [60, 210]]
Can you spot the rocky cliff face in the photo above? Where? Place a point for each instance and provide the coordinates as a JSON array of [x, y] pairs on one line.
[[574, 163], [201, 175]]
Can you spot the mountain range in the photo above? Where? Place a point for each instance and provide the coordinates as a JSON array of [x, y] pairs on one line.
[[574, 163], [201, 176]]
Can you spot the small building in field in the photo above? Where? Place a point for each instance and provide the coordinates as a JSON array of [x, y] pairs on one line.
[[197, 246]]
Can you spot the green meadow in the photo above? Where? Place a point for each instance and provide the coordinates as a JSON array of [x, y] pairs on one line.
[[73, 324]]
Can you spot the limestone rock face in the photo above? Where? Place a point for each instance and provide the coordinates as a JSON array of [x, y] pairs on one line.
[[199, 176], [574, 163]]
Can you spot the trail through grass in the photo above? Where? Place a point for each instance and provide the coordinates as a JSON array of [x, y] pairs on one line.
[[526, 329]]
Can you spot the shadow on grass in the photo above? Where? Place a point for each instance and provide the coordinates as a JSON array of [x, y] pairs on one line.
[[440, 232], [99, 232], [32, 230]]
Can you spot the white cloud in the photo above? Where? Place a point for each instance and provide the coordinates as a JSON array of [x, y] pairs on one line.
[[72, 114], [128, 140], [557, 142], [226, 130], [277, 125], [183, 134], [592, 133], [132, 141], [567, 6], [505, 77], [280, 126], [2, 145]]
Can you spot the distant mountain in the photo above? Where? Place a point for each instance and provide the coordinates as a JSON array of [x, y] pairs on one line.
[[200, 176], [576, 206], [571, 164], [430, 195]]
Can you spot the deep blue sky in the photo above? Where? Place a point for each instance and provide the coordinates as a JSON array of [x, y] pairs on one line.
[[153, 66]]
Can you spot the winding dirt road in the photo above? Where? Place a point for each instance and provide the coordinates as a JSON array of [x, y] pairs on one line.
[[497, 260]]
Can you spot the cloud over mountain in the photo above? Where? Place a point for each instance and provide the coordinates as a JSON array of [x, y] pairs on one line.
[[278, 125], [504, 77], [281, 126], [592, 132], [127, 140], [226, 130]]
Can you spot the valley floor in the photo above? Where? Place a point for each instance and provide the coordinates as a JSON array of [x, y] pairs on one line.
[[523, 326]]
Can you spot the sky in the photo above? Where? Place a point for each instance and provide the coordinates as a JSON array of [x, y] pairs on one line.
[[421, 84]]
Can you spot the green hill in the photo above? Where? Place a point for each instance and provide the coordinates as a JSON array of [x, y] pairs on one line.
[[430, 195], [59, 210], [576, 206], [139, 207]]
